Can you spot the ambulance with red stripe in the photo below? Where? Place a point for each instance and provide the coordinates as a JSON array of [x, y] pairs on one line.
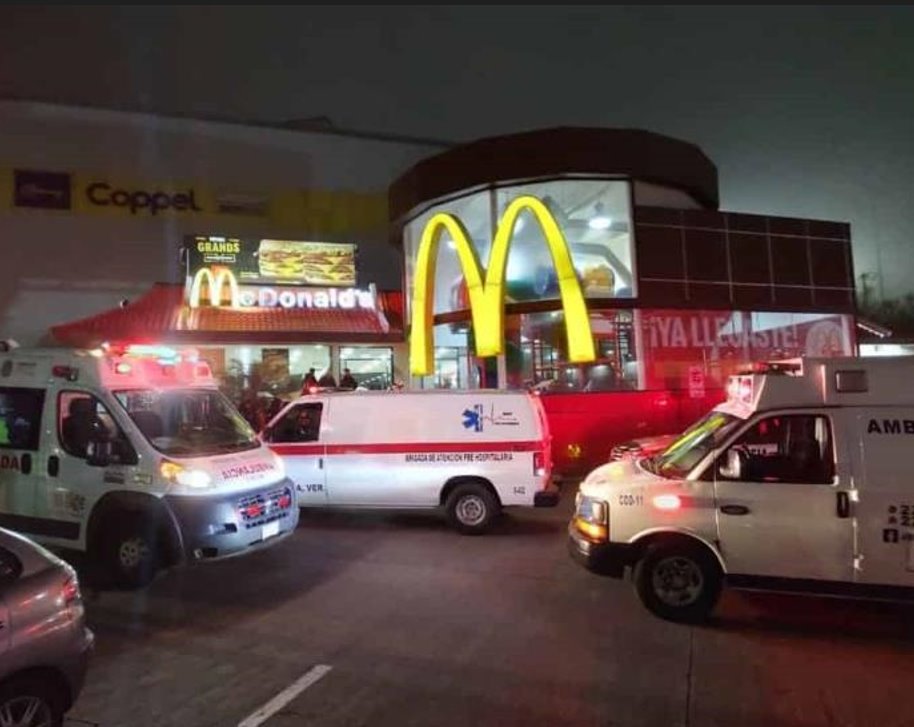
[[799, 482], [470, 453], [135, 456]]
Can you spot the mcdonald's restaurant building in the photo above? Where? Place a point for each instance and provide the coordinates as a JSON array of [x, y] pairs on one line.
[[502, 237], [591, 265]]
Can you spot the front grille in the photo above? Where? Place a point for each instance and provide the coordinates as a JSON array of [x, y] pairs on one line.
[[262, 508]]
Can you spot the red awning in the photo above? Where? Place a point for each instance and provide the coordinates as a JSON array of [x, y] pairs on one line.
[[161, 316]]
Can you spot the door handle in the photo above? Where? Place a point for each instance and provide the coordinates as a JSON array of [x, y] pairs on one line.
[[320, 463], [53, 465], [844, 505], [25, 463], [734, 509]]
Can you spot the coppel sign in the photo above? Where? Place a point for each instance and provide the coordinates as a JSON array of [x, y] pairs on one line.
[[141, 201]]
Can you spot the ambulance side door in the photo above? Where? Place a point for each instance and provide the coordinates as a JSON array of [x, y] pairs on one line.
[[75, 478], [782, 487], [884, 511], [299, 435], [21, 414]]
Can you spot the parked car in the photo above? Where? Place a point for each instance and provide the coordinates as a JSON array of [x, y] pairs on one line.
[[44, 642]]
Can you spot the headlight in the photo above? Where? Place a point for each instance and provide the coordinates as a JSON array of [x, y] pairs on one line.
[[186, 476], [592, 510], [591, 517]]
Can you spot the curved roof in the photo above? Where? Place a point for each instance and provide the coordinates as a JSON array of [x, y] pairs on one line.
[[638, 154]]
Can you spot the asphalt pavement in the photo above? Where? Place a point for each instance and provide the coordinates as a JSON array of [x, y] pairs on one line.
[[392, 619]]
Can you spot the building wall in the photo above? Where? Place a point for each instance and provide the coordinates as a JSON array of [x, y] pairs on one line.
[[67, 264]]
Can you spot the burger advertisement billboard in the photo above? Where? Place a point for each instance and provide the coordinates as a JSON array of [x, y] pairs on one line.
[[274, 262]]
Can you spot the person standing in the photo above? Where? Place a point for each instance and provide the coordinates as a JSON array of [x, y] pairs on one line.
[[348, 381], [327, 381], [310, 381]]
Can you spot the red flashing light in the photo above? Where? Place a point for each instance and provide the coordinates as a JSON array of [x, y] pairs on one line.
[[285, 500], [312, 389], [667, 502], [65, 372], [253, 510], [203, 370], [122, 368]]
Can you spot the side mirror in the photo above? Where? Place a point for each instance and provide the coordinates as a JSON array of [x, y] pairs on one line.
[[732, 466], [99, 453]]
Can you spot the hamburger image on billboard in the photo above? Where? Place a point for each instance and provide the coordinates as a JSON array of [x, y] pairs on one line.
[[313, 263]]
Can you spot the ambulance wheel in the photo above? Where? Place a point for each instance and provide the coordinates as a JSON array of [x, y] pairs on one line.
[[131, 550], [471, 508], [678, 581]]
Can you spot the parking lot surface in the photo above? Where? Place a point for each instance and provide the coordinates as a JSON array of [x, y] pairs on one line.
[[393, 619]]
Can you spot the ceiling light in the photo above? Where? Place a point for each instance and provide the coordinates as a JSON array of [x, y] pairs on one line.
[[600, 220]]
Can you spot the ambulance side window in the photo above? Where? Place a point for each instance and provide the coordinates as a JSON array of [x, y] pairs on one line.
[[795, 448], [81, 418], [20, 418], [302, 423]]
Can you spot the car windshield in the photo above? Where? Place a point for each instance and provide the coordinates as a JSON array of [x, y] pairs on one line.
[[188, 422], [690, 448]]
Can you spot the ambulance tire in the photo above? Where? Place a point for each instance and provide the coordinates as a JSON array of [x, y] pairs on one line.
[[131, 549], [678, 581], [471, 508]]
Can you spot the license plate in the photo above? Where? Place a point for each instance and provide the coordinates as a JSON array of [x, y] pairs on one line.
[[271, 529]]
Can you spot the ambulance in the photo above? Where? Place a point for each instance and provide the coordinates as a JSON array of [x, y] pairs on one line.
[[470, 453], [800, 481], [134, 456]]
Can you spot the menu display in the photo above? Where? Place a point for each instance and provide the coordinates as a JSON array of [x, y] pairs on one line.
[[285, 262]]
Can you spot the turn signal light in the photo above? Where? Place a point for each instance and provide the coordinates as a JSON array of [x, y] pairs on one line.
[[667, 502], [591, 530]]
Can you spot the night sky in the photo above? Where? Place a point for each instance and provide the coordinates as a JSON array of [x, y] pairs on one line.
[[806, 111]]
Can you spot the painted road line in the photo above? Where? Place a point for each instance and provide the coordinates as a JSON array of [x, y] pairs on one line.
[[309, 678]]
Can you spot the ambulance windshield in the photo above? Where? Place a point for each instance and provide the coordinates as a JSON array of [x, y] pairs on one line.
[[188, 422], [690, 448]]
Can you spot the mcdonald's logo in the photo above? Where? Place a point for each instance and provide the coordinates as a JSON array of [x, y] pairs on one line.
[[215, 283], [487, 289]]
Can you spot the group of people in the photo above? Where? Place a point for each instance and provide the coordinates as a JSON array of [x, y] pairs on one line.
[[326, 381]]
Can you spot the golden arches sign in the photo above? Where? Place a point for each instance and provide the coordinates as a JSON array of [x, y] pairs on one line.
[[215, 284], [487, 289]]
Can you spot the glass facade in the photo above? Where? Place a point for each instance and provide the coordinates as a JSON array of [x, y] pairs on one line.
[[593, 215]]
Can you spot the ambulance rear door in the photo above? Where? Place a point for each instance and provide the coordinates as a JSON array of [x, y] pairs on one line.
[[884, 512]]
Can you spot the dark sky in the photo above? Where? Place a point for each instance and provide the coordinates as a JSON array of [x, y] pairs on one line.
[[806, 111]]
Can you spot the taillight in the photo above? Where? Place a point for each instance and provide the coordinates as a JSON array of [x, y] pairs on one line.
[[539, 463], [70, 597], [70, 591]]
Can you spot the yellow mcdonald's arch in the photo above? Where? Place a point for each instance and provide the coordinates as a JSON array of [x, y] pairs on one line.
[[215, 283], [486, 290]]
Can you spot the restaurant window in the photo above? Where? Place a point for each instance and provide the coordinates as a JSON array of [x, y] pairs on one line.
[[275, 370], [371, 366], [536, 353]]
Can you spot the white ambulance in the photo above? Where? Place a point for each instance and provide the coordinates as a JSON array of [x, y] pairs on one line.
[[800, 481], [135, 457], [470, 452]]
